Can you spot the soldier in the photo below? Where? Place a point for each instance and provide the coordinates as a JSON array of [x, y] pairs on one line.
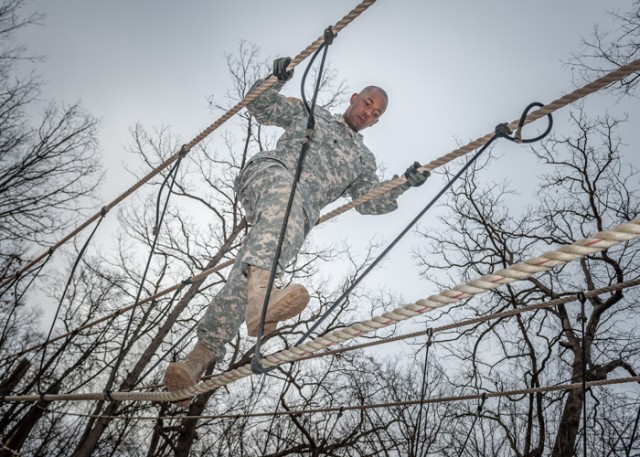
[[337, 163]]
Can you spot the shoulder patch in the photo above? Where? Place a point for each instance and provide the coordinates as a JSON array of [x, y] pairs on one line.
[[294, 99]]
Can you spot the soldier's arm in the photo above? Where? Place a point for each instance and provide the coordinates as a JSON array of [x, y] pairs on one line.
[[271, 108]]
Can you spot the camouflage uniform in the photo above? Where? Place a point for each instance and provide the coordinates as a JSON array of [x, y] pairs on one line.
[[337, 163]]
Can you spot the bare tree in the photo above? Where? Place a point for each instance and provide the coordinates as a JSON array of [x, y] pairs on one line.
[[607, 50], [48, 169], [586, 188]]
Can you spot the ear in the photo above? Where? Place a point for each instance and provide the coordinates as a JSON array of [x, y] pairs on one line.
[[353, 98]]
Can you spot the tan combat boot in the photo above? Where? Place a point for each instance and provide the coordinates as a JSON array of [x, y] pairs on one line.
[[184, 374], [283, 304]]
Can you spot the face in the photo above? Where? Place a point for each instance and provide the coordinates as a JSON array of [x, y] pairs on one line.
[[365, 109]]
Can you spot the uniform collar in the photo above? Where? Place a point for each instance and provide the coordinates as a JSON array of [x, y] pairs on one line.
[[340, 119]]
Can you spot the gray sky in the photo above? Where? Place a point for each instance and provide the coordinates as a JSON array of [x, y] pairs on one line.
[[453, 71]]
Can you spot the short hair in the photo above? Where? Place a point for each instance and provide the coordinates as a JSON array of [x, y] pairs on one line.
[[378, 89]]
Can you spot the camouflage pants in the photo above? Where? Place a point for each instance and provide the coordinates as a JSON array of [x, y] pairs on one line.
[[263, 187]]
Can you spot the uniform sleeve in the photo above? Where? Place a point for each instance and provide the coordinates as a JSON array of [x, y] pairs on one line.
[[381, 205], [271, 108]]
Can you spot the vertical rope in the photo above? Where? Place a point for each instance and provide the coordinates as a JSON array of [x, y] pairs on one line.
[[256, 363], [582, 317], [633, 433], [423, 393], [156, 231], [483, 398], [64, 292]]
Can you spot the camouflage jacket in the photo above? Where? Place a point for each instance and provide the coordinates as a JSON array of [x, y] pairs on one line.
[[337, 162]]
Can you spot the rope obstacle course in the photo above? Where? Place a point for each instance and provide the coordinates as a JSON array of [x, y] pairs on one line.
[[520, 271], [571, 97]]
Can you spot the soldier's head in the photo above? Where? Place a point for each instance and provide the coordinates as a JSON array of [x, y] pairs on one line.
[[366, 108]]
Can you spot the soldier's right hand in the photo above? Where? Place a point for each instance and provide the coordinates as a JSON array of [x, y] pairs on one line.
[[280, 68], [416, 178]]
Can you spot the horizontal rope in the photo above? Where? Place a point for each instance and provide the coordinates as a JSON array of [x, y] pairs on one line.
[[479, 319], [266, 84], [523, 270], [447, 399], [455, 325]]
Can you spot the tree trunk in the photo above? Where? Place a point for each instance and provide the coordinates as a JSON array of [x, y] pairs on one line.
[[19, 434], [12, 381], [188, 433], [7, 387], [565, 444]]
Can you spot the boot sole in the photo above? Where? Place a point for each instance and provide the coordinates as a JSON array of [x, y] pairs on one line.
[[292, 303], [178, 377]]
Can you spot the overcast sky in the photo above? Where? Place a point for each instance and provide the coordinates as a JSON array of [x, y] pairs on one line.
[[453, 70]]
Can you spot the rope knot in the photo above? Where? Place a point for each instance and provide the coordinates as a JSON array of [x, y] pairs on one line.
[[582, 315], [329, 36], [309, 132], [483, 398], [523, 119], [503, 130], [429, 336], [184, 150]]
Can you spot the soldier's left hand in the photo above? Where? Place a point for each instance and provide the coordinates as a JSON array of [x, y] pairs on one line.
[[280, 68], [414, 177]]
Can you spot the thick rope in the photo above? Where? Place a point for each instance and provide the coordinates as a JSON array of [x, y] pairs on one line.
[[547, 109], [523, 270], [433, 400], [455, 325], [480, 319], [267, 83]]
